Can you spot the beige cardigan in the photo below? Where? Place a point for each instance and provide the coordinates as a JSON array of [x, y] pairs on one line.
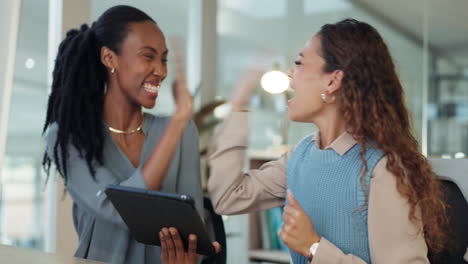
[[393, 238]]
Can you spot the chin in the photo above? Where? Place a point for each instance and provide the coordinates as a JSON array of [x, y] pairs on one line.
[[292, 116], [297, 117], [148, 105]]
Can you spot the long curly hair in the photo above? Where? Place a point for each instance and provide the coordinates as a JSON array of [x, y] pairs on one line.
[[76, 101], [372, 102]]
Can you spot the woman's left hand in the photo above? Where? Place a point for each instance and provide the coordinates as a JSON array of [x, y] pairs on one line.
[[172, 248], [297, 231], [182, 97]]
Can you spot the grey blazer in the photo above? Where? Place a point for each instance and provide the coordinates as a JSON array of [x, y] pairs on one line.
[[103, 235]]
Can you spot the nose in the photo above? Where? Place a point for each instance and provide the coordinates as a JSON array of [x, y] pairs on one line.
[[160, 69]]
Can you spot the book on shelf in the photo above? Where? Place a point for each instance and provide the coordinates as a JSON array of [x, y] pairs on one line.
[[271, 221]]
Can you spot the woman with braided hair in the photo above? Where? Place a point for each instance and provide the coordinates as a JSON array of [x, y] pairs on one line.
[[97, 134], [358, 190]]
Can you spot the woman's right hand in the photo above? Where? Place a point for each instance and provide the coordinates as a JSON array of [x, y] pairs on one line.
[[249, 81], [172, 248], [182, 97], [245, 87]]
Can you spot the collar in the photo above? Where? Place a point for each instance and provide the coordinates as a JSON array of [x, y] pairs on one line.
[[340, 145]]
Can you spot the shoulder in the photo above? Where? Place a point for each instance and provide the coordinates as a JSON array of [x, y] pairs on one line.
[[380, 172], [50, 134], [305, 141]]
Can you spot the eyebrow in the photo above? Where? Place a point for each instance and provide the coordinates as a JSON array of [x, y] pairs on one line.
[[301, 55], [154, 50]]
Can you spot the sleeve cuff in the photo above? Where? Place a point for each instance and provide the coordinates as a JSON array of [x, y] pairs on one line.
[[326, 253]]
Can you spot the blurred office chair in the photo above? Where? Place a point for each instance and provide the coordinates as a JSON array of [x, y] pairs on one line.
[[215, 227], [453, 174]]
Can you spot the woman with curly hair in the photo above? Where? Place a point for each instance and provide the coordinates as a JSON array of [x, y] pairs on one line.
[[357, 191]]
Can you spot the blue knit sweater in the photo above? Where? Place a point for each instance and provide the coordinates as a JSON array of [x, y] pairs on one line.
[[327, 186]]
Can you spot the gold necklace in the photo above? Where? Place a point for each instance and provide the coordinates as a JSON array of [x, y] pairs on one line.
[[118, 131]]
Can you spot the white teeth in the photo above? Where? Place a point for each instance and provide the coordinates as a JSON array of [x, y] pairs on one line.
[[151, 88]]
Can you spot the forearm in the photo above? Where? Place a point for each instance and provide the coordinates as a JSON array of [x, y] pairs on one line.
[[155, 168], [231, 190]]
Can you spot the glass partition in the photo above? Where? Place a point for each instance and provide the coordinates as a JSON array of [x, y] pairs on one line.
[[22, 196]]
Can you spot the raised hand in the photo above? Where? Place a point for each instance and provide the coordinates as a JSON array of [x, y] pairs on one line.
[[182, 97], [249, 81], [297, 232]]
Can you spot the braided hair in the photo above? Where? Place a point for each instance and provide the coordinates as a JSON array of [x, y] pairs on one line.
[[78, 87]]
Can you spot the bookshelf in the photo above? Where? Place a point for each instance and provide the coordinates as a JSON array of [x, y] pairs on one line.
[[259, 241], [243, 232]]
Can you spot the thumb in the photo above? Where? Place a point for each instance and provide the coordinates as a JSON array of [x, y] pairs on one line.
[[292, 201], [217, 247]]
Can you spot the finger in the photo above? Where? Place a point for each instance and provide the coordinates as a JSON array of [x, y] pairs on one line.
[[179, 246], [248, 82], [288, 219], [176, 44], [287, 228], [217, 247], [164, 253], [192, 248], [292, 201], [282, 229], [170, 245], [179, 56], [284, 236], [291, 212]]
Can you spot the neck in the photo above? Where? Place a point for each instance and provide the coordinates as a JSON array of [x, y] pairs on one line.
[[331, 125], [119, 112]]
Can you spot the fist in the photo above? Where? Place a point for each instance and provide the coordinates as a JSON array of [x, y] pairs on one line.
[[297, 231]]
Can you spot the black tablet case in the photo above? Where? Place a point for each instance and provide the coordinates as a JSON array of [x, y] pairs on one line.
[[146, 212]]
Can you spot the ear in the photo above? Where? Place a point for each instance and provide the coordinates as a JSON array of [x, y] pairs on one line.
[[108, 58], [335, 81]]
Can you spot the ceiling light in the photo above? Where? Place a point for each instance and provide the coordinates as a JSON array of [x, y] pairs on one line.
[[275, 82], [29, 64]]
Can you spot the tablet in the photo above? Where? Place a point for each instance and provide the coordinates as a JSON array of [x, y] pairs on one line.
[[146, 212]]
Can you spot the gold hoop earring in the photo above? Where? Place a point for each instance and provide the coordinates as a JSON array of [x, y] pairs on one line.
[[112, 70]]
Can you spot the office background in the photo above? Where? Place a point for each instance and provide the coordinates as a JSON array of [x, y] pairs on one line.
[[427, 38]]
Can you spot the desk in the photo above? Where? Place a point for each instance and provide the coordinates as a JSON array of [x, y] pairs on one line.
[[15, 255]]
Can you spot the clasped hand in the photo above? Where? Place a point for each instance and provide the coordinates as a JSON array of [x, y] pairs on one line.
[[297, 231]]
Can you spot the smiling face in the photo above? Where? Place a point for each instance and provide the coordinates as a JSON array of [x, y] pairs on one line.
[[141, 64], [309, 80]]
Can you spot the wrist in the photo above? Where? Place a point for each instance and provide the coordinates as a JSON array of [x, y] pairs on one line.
[[182, 116], [237, 106], [238, 109]]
